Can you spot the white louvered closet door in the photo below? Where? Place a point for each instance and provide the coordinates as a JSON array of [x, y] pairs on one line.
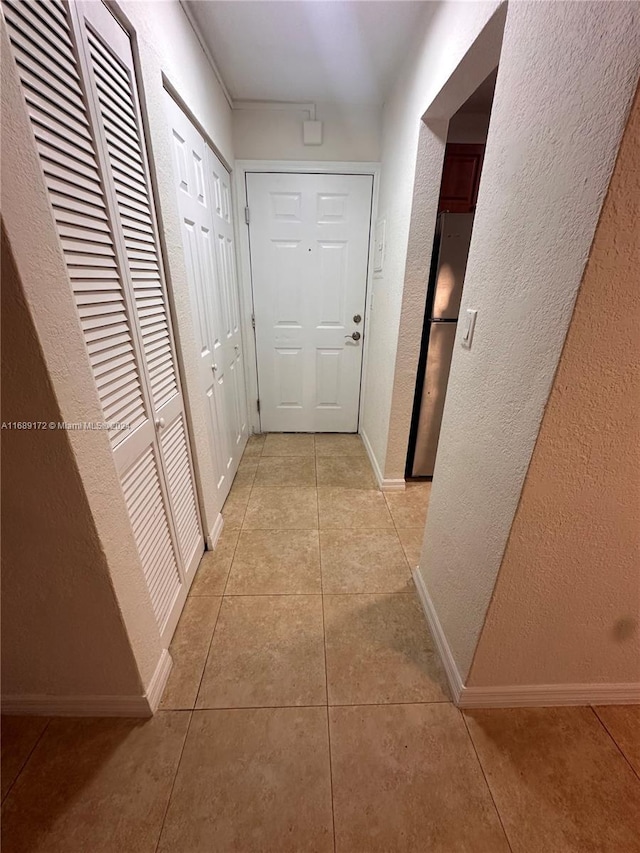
[[92, 155]]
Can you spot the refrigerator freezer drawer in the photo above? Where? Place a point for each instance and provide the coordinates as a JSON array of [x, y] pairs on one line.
[[441, 341]]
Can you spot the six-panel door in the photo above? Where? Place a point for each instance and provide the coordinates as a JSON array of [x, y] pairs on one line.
[[309, 240], [204, 202]]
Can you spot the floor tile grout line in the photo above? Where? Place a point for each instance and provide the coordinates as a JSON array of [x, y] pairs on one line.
[[484, 776], [333, 813], [396, 530], [222, 598], [326, 674], [244, 514], [206, 657], [173, 783], [297, 707], [233, 556], [293, 594], [27, 759], [617, 745]]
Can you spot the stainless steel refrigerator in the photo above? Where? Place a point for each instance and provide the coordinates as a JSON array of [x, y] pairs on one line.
[[451, 249]]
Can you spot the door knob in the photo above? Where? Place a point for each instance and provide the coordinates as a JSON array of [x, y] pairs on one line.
[[214, 367], [160, 423], [354, 335]]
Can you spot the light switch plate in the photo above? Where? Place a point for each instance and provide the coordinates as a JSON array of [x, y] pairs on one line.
[[379, 245], [467, 334]]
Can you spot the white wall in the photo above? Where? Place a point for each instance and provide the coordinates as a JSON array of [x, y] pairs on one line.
[[566, 78], [448, 30], [351, 132], [52, 561], [164, 31]]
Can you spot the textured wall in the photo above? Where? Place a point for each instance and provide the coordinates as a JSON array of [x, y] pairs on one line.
[[162, 28], [567, 75], [350, 132], [446, 33], [62, 632], [566, 608]]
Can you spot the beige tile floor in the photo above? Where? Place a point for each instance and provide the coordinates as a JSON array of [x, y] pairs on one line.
[[307, 708]]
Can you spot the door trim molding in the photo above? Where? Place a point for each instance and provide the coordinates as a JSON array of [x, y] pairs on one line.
[[303, 167], [214, 533], [517, 695]]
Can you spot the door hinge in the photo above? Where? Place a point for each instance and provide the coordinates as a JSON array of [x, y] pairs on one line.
[[253, 321], [258, 405], [246, 215]]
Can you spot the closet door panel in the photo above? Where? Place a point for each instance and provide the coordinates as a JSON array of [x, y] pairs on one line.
[[102, 209], [228, 326], [173, 444], [42, 41], [195, 199], [144, 499]]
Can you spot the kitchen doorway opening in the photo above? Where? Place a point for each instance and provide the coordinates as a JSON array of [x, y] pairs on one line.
[[442, 327]]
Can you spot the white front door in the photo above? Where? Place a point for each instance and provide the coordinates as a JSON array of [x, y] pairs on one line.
[[204, 202], [309, 238]]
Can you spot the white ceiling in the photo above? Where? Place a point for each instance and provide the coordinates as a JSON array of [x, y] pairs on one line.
[[307, 50]]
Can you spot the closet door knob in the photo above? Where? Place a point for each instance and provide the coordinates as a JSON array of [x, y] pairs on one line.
[[160, 423]]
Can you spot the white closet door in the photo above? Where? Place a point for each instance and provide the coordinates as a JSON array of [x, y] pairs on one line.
[[228, 324], [105, 223], [202, 188], [112, 73]]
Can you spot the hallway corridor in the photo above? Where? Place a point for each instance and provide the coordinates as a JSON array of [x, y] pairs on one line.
[[307, 709]]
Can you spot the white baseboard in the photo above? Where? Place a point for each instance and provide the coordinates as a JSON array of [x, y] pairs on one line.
[[94, 706], [549, 695], [517, 696], [159, 681], [77, 706], [450, 667], [384, 485], [214, 533]]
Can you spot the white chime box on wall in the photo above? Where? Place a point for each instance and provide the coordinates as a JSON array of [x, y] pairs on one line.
[[312, 132]]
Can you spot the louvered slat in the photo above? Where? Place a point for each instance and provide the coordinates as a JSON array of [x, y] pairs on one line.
[[43, 46], [143, 495], [183, 499], [124, 145], [105, 231]]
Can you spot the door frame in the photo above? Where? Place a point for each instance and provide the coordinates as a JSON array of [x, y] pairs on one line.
[[302, 167]]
